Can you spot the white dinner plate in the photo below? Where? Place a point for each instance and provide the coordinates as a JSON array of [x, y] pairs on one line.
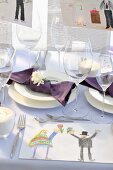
[[24, 91], [17, 97], [99, 96], [95, 100]]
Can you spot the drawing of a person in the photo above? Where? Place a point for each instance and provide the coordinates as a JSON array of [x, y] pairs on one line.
[[39, 139], [107, 6], [51, 137], [20, 7], [85, 141], [42, 139]]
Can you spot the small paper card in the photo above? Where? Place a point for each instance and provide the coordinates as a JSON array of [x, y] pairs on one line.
[[68, 141], [88, 13], [16, 11]]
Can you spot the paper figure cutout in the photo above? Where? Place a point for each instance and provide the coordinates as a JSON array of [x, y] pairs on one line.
[[17, 11], [85, 141], [20, 7], [107, 6], [88, 13]]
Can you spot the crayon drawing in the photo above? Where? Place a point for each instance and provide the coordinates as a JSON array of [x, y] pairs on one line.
[[68, 142]]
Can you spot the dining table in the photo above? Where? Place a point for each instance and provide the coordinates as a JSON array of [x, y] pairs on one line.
[[6, 163]]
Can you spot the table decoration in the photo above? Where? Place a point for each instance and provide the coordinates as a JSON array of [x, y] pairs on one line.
[[20, 99], [60, 91], [85, 142]]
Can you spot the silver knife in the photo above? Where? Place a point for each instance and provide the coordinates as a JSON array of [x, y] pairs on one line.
[[41, 120]]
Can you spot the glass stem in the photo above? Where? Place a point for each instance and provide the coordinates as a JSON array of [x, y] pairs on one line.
[[102, 115], [29, 57], [76, 100], [2, 96], [59, 59]]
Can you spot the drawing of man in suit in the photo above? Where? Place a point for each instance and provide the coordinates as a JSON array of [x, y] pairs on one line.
[[85, 141], [20, 6], [107, 5]]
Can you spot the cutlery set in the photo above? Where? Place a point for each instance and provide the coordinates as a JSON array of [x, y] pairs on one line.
[[59, 119], [20, 126]]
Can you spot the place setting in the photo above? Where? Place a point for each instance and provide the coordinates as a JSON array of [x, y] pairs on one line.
[[42, 99], [62, 97]]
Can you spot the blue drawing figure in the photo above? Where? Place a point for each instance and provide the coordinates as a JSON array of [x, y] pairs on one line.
[[51, 137], [85, 141]]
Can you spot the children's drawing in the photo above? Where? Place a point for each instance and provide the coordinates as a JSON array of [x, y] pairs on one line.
[[68, 142], [85, 141], [42, 139]]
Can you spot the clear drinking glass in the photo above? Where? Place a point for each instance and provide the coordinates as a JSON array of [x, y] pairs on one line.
[[58, 34], [6, 66], [104, 78], [29, 37], [77, 62]]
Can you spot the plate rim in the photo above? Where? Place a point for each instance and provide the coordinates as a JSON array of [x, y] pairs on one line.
[[96, 104], [106, 97], [15, 95]]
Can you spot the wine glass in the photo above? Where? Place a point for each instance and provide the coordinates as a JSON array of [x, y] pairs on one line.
[[77, 62], [6, 66], [58, 34], [104, 78], [29, 37]]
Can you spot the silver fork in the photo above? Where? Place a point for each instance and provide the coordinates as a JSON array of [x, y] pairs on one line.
[[20, 126]]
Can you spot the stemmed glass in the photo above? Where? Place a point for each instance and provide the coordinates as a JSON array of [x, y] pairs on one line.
[[77, 62], [29, 37], [104, 78], [58, 34], [6, 66]]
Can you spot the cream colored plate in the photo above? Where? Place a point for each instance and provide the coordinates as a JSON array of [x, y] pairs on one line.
[[24, 91], [98, 96], [97, 103], [34, 103]]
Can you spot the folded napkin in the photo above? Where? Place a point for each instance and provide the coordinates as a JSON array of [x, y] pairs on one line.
[[60, 91], [92, 83]]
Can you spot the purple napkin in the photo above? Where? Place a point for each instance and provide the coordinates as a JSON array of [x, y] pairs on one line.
[[60, 91], [92, 83]]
